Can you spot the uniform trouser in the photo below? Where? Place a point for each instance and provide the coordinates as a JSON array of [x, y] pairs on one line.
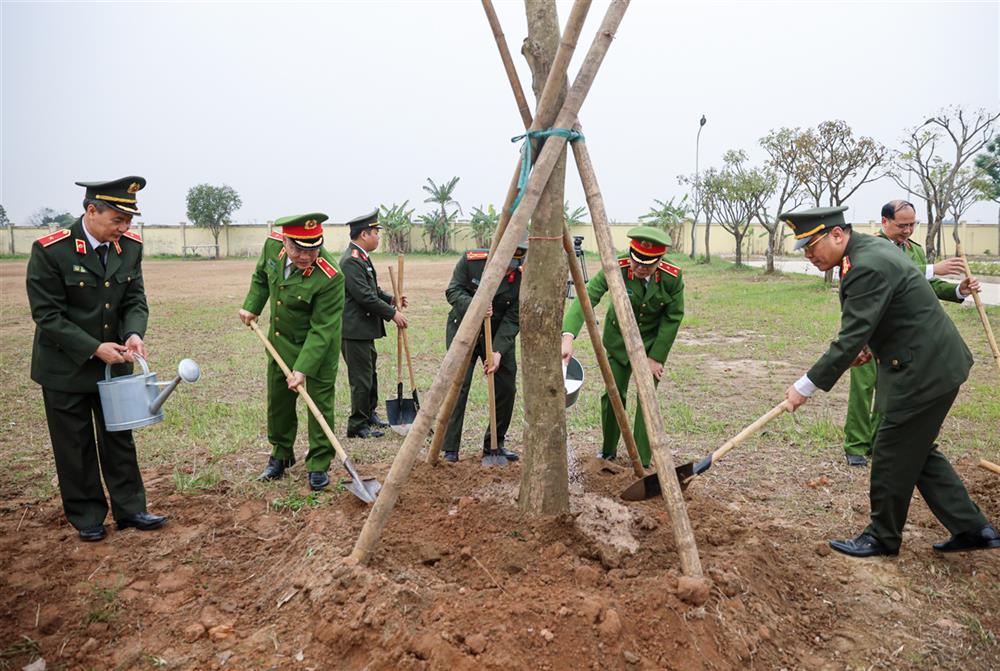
[[862, 421], [905, 456], [283, 423], [505, 386], [75, 420], [361, 358], [609, 423]]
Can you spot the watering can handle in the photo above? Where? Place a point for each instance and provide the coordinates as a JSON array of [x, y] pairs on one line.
[[142, 362]]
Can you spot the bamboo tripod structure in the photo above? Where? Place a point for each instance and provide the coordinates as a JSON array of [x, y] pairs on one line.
[[510, 231], [672, 493]]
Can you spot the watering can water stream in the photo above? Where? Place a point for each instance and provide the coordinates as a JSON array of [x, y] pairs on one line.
[[134, 401]]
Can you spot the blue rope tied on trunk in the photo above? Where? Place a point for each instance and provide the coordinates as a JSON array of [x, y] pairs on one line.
[[526, 161]]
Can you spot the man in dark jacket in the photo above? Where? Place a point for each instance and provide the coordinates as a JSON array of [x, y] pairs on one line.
[[890, 311], [87, 299], [366, 307], [504, 324]]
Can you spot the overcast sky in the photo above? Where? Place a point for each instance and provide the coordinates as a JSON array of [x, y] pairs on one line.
[[340, 106]]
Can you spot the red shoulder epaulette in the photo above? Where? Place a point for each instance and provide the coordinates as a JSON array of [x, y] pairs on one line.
[[476, 256], [669, 269], [624, 262], [274, 235], [326, 267], [48, 239], [133, 236], [845, 266]]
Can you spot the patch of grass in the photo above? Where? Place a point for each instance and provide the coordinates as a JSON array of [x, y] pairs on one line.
[[295, 501], [197, 479], [517, 535], [980, 634], [984, 267], [103, 603], [23, 646]]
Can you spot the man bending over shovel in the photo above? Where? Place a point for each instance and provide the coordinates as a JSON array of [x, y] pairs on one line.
[[889, 311], [306, 292], [504, 319], [656, 292]]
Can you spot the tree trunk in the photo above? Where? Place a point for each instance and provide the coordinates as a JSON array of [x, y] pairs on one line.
[[544, 473], [997, 252], [708, 230], [772, 241], [739, 248], [694, 232]]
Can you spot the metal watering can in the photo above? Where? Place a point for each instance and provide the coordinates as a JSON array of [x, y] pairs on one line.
[[134, 401]]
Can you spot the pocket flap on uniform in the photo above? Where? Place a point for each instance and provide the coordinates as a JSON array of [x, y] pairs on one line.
[[82, 280], [898, 360]]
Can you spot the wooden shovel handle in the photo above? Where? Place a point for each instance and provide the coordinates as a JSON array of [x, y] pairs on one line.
[[320, 419], [490, 389], [750, 430], [397, 289], [979, 306], [399, 335], [989, 466]]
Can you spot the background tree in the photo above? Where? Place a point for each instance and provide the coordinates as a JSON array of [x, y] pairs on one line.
[[706, 183], [669, 216], [440, 229], [832, 162], [989, 163], [544, 471], [783, 161], [483, 225], [972, 180], [4, 221], [211, 207], [741, 195], [936, 151], [575, 216], [46, 215], [396, 221]]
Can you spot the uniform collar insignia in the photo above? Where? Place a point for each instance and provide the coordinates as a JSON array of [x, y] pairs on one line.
[[118, 248], [845, 265], [308, 271], [81, 246]]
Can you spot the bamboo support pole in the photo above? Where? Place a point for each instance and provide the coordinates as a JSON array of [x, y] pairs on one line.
[[490, 385], [672, 495], [989, 466], [468, 331], [979, 306], [546, 114], [574, 267]]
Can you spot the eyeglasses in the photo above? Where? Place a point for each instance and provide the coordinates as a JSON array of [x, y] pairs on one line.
[[815, 241], [906, 226]]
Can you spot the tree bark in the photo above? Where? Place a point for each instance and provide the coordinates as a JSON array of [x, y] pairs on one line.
[[739, 249], [708, 230], [544, 474]]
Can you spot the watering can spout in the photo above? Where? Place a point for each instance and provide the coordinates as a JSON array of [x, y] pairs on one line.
[[188, 371]]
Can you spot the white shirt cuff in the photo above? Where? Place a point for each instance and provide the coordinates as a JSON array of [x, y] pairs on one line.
[[958, 292], [805, 386], [567, 333], [929, 272]]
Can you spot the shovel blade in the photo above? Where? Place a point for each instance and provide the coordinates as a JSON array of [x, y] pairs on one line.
[[494, 459], [401, 413], [366, 489], [649, 487]]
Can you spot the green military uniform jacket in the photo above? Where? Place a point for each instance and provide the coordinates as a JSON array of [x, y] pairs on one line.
[[306, 309], [887, 304], [944, 290], [77, 304], [506, 306], [658, 307], [367, 307]]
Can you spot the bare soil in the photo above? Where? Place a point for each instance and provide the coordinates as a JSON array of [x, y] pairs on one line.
[[463, 580]]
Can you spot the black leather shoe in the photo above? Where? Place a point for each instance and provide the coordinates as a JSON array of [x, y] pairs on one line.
[[980, 539], [93, 534], [502, 452], [377, 422], [142, 521], [275, 468], [451, 457], [365, 432], [856, 460], [318, 480], [864, 545]]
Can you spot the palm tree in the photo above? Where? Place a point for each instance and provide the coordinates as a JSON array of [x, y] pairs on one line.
[[442, 195]]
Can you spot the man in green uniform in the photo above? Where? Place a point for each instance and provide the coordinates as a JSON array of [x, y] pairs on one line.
[[505, 325], [889, 311], [305, 289], [656, 292], [87, 299], [898, 221], [366, 308]]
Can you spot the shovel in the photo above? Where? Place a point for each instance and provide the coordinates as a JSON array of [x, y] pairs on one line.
[[493, 457], [406, 341], [401, 411], [649, 486], [365, 489]]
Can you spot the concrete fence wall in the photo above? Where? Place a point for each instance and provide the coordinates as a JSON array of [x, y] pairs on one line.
[[247, 240]]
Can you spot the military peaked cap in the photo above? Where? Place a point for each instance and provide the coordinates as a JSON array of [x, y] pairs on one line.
[[118, 193], [808, 223]]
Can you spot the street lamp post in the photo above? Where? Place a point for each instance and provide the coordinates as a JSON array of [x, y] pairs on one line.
[[697, 188]]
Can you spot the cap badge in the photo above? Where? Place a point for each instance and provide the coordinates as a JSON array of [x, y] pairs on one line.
[[311, 224], [133, 187]]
